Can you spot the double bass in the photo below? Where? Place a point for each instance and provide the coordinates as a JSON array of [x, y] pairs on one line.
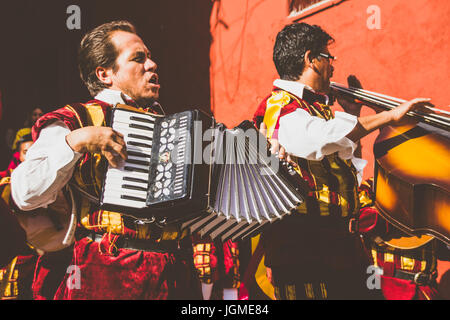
[[412, 171]]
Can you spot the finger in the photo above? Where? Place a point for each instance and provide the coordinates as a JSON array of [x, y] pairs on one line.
[[291, 161], [118, 149], [263, 129], [275, 146], [420, 101], [118, 137], [117, 133], [282, 153], [112, 160]]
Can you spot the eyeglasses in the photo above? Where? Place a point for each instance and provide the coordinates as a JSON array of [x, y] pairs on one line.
[[328, 56]]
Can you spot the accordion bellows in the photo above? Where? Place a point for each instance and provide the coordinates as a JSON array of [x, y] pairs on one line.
[[219, 182], [250, 190]]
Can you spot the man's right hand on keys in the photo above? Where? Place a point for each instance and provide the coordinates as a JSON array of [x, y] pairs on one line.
[[104, 140]]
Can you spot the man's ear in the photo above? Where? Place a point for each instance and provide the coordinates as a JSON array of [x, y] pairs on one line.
[[308, 59], [104, 75]]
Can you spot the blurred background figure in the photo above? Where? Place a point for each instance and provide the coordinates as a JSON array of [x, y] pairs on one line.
[[17, 259], [22, 146], [31, 119]]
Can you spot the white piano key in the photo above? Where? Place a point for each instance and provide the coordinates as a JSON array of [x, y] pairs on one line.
[[126, 115], [125, 128], [116, 172], [118, 191], [146, 127], [145, 161], [119, 181], [139, 149], [133, 165], [132, 117], [124, 202]]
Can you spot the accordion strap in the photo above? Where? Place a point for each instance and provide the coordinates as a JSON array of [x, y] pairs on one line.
[[85, 194]]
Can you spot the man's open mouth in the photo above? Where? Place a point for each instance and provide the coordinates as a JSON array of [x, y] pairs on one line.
[[154, 79]]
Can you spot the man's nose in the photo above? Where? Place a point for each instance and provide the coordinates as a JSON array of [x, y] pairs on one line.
[[150, 65]]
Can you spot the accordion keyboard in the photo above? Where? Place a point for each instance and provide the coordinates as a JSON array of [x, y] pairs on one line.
[[159, 150], [128, 185]]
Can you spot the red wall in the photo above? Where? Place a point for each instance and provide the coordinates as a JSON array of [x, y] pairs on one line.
[[408, 57]]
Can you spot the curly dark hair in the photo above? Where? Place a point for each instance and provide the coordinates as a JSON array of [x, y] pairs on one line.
[[291, 45], [97, 50]]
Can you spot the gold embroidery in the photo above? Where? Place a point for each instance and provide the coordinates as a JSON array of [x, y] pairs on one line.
[[423, 265], [309, 290], [407, 263], [7, 189], [96, 117], [274, 105], [388, 257], [8, 284], [112, 221], [323, 289], [290, 292], [374, 256], [68, 107]]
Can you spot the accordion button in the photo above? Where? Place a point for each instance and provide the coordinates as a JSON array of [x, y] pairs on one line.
[[160, 168], [167, 183], [171, 138], [157, 193], [163, 140], [170, 146], [159, 176], [168, 175], [171, 130], [163, 132], [159, 185], [166, 191], [164, 124], [168, 166], [172, 122]]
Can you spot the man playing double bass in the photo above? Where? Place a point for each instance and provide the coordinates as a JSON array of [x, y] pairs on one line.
[[312, 254]]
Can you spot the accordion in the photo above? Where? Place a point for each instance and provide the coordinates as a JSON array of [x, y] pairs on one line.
[[187, 169]]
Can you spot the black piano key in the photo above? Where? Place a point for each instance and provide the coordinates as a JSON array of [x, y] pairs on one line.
[[139, 144], [132, 198], [131, 179], [139, 136], [129, 186], [141, 119], [141, 162], [138, 126], [126, 168], [138, 154]]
